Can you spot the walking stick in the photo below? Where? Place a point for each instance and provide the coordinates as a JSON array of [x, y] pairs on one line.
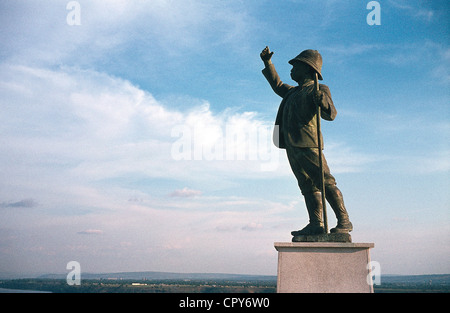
[[319, 141]]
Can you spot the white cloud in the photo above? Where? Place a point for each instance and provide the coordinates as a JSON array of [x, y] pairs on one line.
[[90, 232], [107, 127], [72, 139], [36, 32], [252, 226], [186, 192]]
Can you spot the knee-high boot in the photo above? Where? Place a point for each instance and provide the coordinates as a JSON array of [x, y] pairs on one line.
[[336, 201], [313, 203]]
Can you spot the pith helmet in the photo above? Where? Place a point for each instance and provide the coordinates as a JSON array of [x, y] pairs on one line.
[[312, 58]]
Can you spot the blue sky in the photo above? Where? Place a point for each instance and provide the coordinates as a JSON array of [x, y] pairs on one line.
[[94, 117]]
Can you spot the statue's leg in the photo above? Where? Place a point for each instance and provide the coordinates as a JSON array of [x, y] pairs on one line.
[[313, 197], [332, 192], [336, 201]]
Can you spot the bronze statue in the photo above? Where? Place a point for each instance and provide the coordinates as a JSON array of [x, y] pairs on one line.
[[298, 133]]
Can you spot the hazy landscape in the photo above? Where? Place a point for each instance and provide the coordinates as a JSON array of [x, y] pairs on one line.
[[161, 282]]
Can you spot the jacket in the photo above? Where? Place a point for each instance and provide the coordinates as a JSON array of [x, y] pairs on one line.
[[295, 123]]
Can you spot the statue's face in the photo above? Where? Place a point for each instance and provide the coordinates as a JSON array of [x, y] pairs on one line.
[[300, 71]]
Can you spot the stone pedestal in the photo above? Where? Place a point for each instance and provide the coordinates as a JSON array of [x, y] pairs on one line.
[[323, 267]]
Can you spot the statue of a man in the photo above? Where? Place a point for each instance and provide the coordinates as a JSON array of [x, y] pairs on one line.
[[297, 133]]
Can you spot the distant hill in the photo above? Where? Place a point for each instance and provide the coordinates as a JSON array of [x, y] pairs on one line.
[[443, 279], [413, 283], [166, 276], [166, 282]]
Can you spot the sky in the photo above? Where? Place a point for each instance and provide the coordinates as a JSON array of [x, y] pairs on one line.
[[136, 135]]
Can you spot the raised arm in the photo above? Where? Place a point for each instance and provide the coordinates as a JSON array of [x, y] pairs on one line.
[[271, 74]]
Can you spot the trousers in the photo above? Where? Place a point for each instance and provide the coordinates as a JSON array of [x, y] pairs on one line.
[[304, 163]]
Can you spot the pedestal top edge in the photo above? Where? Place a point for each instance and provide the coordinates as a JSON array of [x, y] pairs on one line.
[[323, 245]]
